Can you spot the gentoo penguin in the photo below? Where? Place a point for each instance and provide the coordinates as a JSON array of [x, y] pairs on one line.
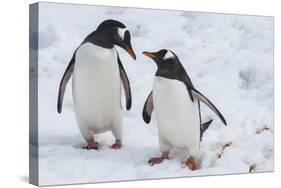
[[176, 104], [96, 85]]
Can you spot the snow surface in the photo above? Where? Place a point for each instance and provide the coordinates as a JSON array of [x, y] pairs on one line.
[[228, 57]]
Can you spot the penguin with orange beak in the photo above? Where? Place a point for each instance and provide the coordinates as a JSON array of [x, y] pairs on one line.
[[96, 85], [176, 103]]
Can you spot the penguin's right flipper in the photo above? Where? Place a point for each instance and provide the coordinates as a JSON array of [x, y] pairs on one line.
[[126, 84], [206, 101], [66, 76], [204, 127], [148, 108]]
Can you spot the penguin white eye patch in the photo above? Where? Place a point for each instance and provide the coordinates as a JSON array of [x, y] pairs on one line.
[[168, 55], [121, 32]]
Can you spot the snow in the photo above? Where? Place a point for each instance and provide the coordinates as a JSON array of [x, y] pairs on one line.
[[229, 59]]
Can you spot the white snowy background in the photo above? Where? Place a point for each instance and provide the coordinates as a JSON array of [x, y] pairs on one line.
[[228, 57]]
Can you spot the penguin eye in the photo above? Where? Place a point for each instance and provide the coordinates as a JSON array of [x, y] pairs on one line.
[[118, 38]]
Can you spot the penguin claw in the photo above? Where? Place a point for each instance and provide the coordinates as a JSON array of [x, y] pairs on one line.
[[91, 145], [155, 160], [117, 145]]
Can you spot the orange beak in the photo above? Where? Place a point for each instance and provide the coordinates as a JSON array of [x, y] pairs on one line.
[[149, 54]]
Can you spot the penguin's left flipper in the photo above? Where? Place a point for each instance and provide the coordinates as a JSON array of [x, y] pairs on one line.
[[66, 76], [206, 101], [126, 85], [148, 108]]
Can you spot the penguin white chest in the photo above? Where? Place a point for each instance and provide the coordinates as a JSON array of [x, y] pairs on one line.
[[177, 116], [96, 88]]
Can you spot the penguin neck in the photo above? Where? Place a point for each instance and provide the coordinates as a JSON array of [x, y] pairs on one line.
[[99, 39]]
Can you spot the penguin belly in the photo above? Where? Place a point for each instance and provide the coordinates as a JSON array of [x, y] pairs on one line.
[[96, 89], [177, 116]]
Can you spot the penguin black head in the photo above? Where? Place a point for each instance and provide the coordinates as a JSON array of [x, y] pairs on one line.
[[112, 32], [163, 57]]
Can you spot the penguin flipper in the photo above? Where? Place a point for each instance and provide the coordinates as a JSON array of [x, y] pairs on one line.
[[66, 76], [206, 101], [126, 84], [204, 127], [148, 108]]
